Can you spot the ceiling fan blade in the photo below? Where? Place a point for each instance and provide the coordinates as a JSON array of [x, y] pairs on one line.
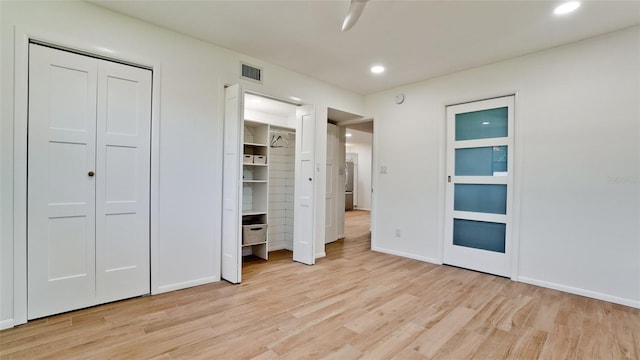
[[355, 9]]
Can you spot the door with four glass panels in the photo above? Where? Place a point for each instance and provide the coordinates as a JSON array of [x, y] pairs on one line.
[[479, 185]]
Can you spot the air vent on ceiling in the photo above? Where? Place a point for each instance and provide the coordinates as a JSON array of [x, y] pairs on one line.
[[250, 72]]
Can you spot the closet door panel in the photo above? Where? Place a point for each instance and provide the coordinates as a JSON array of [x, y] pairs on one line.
[[304, 212], [232, 185], [122, 181], [61, 201]]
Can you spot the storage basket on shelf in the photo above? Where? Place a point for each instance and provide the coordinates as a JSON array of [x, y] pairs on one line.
[[254, 234], [259, 159], [247, 159]]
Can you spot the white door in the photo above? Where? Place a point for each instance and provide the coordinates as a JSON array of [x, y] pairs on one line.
[[231, 194], [122, 179], [331, 210], [479, 185], [61, 194], [73, 239], [303, 229]]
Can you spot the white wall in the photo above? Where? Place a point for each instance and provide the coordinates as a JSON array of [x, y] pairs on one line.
[[577, 164], [192, 77], [360, 143]]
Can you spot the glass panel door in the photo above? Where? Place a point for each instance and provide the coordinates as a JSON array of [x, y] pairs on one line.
[[478, 189]]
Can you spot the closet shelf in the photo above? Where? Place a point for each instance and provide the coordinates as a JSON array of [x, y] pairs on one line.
[[260, 243], [253, 212], [254, 181], [252, 164], [254, 144]]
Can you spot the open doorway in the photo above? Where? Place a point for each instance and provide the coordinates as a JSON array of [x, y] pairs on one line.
[[349, 166], [358, 177]]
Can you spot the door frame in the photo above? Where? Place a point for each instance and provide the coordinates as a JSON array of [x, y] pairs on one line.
[[374, 174], [22, 38], [233, 203], [516, 183]]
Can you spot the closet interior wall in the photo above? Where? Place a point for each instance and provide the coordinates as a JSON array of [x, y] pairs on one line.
[[281, 189]]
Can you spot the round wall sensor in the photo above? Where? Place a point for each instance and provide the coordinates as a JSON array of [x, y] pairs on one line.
[[399, 98]]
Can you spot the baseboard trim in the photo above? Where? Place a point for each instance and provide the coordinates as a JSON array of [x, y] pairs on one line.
[[581, 292], [407, 255], [184, 285], [6, 324]]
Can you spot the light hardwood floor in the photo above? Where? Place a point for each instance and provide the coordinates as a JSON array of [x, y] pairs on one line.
[[353, 304]]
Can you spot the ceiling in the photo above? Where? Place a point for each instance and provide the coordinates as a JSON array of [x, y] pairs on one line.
[[414, 40], [366, 126]]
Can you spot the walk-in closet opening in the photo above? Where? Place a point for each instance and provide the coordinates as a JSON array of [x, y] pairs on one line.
[[268, 178]]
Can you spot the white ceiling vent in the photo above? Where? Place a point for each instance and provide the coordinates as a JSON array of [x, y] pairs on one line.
[[250, 72]]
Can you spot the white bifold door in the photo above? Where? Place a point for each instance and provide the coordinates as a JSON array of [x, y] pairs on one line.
[[304, 203], [88, 181]]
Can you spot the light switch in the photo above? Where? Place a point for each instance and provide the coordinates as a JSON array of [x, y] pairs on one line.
[[383, 169]]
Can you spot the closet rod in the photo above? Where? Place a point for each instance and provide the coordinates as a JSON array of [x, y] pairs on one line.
[[283, 131]]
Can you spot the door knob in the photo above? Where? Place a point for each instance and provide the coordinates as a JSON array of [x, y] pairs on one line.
[[91, 173], [309, 179]]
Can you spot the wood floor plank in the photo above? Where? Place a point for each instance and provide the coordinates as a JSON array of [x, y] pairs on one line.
[[345, 352], [430, 341], [393, 342], [353, 304], [561, 343]]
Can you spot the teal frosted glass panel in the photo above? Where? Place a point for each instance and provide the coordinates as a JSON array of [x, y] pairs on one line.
[[482, 161], [482, 124], [479, 235], [480, 198]]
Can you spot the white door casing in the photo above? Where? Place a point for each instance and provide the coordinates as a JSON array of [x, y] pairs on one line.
[[341, 181], [303, 230], [231, 185], [331, 193], [122, 181], [494, 262], [80, 251]]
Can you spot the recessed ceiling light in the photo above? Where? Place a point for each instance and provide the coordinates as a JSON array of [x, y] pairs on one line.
[[567, 7], [295, 98], [378, 69], [347, 135], [485, 123]]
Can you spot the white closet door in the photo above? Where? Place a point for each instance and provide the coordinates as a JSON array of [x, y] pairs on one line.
[[303, 229], [122, 181], [61, 202], [231, 182]]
